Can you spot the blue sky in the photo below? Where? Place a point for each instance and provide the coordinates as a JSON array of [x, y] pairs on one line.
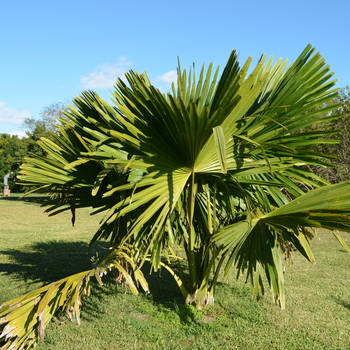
[[51, 51]]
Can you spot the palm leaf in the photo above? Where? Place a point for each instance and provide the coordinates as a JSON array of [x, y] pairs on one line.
[[325, 207]]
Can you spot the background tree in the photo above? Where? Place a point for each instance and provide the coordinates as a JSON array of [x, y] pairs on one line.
[[13, 149], [48, 119], [4, 138], [338, 146], [11, 157]]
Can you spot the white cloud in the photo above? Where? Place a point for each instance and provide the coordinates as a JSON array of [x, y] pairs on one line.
[[20, 134], [168, 77], [105, 75], [163, 83], [11, 115]]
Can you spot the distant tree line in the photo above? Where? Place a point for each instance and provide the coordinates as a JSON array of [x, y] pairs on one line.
[[13, 149], [340, 151]]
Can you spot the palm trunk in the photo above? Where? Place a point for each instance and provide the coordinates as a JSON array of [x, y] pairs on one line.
[[202, 293]]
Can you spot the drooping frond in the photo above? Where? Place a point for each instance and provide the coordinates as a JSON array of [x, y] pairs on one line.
[[23, 319]]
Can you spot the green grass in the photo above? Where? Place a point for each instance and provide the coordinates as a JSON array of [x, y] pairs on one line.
[[37, 250]]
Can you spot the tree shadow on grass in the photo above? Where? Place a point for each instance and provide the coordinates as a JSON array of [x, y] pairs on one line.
[[47, 262], [343, 303], [164, 289], [26, 199], [165, 293]]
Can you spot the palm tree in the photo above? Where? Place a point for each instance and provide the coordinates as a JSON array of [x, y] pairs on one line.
[[217, 167]]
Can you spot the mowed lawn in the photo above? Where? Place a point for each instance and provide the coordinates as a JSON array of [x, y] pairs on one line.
[[36, 250]]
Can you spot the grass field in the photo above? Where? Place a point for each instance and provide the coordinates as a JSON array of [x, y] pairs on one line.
[[37, 250]]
